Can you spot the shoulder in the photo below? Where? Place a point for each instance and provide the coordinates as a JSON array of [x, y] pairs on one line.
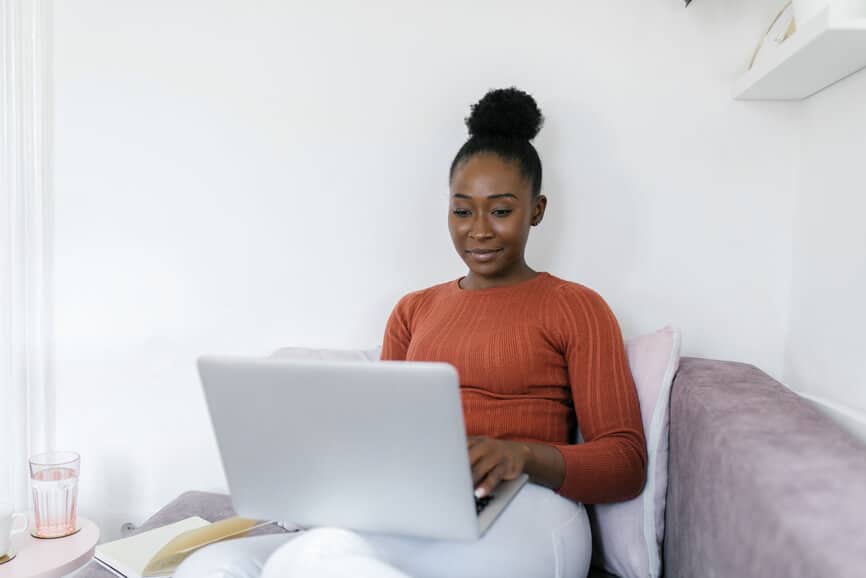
[[576, 294], [580, 308], [411, 302]]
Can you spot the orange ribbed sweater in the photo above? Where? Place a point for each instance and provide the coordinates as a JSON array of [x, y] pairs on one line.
[[534, 360]]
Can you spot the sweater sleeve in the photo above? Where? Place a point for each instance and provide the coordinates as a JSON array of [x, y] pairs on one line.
[[610, 465], [398, 331]]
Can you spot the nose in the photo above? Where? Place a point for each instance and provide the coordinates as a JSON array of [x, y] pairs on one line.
[[480, 229]]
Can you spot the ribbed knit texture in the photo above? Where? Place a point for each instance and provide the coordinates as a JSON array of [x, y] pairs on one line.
[[535, 359]]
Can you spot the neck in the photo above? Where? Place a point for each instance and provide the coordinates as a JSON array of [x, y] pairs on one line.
[[475, 281]]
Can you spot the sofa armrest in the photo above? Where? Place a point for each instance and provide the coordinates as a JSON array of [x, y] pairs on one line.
[[761, 483]]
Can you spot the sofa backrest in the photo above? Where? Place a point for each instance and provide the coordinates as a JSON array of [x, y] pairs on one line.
[[761, 483], [371, 354]]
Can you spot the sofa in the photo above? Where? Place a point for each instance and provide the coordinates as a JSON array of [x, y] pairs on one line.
[[761, 482]]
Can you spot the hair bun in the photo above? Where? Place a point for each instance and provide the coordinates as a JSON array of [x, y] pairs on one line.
[[505, 113]]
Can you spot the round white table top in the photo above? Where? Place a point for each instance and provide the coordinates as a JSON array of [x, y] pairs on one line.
[[37, 558]]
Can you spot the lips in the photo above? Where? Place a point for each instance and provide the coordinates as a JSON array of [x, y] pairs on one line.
[[484, 255]]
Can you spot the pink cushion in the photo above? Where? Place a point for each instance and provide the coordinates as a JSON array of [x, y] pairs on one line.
[[628, 535]]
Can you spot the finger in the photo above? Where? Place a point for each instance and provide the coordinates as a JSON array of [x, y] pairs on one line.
[[514, 465], [478, 451], [511, 473], [483, 468], [484, 453], [488, 485]]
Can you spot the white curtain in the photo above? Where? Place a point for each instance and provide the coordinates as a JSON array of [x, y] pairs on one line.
[[26, 381]]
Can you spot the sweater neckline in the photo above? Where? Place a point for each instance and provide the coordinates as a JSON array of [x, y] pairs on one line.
[[499, 290]]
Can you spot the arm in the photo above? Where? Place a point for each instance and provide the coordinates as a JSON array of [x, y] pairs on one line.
[[398, 332], [544, 464], [610, 465]]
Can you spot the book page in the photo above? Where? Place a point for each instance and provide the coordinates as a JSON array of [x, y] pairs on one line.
[[176, 551], [131, 555]]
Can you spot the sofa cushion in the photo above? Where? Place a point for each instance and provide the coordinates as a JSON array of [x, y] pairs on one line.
[[371, 354], [627, 536]]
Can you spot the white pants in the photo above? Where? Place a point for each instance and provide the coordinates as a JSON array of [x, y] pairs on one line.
[[540, 534]]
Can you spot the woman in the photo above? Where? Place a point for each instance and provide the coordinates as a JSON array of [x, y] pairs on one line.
[[536, 355]]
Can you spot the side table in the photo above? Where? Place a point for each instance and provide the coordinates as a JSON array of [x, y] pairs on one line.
[[38, 558]]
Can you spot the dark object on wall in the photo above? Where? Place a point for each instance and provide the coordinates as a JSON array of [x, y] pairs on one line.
[[688, 2]]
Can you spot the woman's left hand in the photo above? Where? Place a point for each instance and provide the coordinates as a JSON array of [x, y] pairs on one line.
[[494, 460]]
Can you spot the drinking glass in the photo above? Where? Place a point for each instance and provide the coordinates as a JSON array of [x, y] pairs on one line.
[[54, 480]]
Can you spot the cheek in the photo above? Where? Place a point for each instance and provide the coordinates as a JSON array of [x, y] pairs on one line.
[[457, 224], [453, 227], [512, 231]]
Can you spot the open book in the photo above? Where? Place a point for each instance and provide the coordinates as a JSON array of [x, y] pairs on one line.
[[160, 551]]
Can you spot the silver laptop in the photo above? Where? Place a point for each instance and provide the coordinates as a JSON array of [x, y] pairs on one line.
[[372, 446]]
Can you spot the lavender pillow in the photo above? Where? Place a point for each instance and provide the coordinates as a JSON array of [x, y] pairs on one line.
[[628, 535]]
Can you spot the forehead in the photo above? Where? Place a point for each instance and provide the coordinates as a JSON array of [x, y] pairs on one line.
[[483, 175]]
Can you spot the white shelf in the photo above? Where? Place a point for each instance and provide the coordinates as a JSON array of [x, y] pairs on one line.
[[825, 50]]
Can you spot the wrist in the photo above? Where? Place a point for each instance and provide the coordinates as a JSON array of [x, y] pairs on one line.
[[544, 464]]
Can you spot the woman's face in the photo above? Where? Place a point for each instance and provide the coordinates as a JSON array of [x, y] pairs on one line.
[[491, 211]]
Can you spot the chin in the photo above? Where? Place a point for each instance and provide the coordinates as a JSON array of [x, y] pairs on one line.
[[486, 269]]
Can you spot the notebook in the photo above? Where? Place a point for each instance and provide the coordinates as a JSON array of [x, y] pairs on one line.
[[160, 551]]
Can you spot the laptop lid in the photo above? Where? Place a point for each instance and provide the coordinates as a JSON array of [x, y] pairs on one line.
[[378, 447]]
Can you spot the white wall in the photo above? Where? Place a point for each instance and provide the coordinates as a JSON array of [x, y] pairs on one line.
[[236, 177], [826, 355]]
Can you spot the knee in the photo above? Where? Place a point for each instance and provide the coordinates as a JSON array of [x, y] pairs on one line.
[[221, 560], [323, 550], [327, 543], [573, 545]]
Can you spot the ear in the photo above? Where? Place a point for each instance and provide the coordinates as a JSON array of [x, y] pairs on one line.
[[538, 207]]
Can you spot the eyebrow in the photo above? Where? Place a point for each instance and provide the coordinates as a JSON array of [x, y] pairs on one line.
[[462, 196]]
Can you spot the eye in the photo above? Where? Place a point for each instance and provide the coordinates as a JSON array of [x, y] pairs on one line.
[[460, 212], [502, 212]]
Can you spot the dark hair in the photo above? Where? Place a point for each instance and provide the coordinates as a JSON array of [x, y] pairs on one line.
[[503, 122]]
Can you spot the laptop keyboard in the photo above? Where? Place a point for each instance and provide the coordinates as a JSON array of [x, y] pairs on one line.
[[481, 503]]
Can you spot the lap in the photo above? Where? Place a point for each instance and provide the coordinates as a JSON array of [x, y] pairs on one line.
[[239, 558], [539, 534]]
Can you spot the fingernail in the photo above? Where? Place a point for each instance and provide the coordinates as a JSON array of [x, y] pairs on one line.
[[480, 493]]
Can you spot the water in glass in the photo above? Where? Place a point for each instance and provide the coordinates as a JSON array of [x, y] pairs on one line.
[[55, 501]]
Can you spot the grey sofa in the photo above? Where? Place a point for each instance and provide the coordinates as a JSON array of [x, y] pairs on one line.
[[761, 483]]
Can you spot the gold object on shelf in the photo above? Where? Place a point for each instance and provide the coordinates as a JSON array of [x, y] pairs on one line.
[[780, 36]]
